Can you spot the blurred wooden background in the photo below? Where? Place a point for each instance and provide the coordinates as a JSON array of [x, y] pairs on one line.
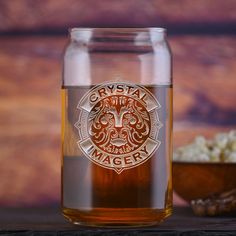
[[32, 37]]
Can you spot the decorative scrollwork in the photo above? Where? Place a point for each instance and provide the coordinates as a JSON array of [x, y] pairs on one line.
[[119, 124]]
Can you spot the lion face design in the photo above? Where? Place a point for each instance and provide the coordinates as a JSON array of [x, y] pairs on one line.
[[119, 124]]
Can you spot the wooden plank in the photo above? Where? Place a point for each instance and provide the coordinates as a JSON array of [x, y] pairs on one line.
[[30, 107], [204, 79], [30, 121], [59, 15]]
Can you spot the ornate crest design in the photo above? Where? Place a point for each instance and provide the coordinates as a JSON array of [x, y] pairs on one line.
[[118, 125]]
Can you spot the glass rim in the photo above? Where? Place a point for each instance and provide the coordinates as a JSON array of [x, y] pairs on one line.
[[119, 29]]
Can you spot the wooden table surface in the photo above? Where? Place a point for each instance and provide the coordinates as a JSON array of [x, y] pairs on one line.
[[49, 221]]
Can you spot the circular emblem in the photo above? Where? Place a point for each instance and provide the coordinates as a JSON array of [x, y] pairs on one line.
[[118, 125]]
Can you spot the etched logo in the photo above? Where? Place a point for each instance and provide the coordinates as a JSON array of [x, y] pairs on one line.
[[118, 125]]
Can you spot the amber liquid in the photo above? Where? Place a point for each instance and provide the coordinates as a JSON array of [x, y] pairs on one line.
[[97, 196]]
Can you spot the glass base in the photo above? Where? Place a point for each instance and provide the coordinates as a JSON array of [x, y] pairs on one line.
[[117, 217]]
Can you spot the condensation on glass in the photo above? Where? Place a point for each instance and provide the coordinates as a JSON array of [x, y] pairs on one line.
[[117, 127]]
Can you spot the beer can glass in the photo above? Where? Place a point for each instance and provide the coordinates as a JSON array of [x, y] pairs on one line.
[[117, 127]]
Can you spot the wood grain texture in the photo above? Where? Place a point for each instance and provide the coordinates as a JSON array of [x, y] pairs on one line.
[[49, 221], [204, 103], [30, 120], [204, 86], [33, 15], [206, 179]]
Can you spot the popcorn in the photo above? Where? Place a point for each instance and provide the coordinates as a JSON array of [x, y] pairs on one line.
[[233, 145], [204, 157], [215, 154], [222, 148], [231, 157], [221, 140], [232, 135], [200, 141]]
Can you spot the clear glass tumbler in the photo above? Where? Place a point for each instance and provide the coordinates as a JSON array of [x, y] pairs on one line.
[[117, 127]]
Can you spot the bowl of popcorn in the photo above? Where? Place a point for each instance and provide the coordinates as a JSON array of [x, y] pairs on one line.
[[205, 167]]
